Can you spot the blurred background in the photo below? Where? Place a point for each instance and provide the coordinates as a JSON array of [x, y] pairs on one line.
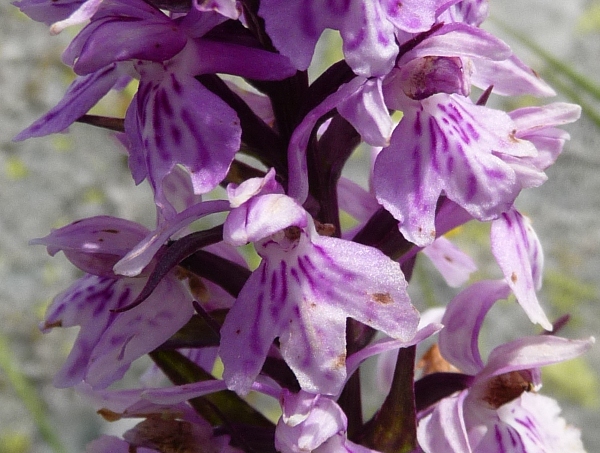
[[51, 181]]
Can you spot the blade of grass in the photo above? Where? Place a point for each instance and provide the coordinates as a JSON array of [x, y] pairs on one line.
[[574, 96], [560, 66], [28, 395]]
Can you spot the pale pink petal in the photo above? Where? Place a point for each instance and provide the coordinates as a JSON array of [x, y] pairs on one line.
[[463, 320], [139, 256], [138, 331], [454, 265], [518, 252], [532, 352], [443, 430]]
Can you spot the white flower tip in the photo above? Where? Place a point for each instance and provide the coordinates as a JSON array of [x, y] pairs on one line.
[[59, 26], [124, 267], [546, 325]]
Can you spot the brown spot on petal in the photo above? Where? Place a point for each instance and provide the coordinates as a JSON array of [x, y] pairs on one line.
[[109, 415], [448, 258], [292, 233], [382, 298], [433, 362], [432, 233], [513, 277], [340, 362], [506, 387], [181, 273], [52, 325], [325, 229], [110, 230]]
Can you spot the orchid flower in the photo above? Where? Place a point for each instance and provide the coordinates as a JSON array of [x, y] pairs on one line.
[[495, 413]]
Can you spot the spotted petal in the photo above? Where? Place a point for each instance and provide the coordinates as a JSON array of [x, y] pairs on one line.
[[139, 330], [518, 251], [180, 122], [535, 421], [94, 244], [447, 144], [303, 295], [108, 342], [86, 303]]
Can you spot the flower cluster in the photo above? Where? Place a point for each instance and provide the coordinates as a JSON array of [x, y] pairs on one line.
[[325, 295]]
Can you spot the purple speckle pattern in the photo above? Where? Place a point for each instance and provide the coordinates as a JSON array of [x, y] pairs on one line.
[[303, 295], [518, 251], [173, 120], [108, 342], [456, 153]]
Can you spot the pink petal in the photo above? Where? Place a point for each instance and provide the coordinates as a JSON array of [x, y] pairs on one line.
[[303, 295], [138, 331], [94, 244], [444, 430], [532, 352], [463, 320], [518, 251], [454, 265], [139, 256]]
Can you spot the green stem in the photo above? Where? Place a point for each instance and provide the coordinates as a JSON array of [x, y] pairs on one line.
[[394, 428]]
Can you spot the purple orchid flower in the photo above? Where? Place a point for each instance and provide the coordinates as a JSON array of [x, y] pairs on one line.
[[61, 14], [280, 330], [493, 413], [368, 28], [165, 423], [313, 423], [109, 341], [173, 119], [444, 144], [302, 292]]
